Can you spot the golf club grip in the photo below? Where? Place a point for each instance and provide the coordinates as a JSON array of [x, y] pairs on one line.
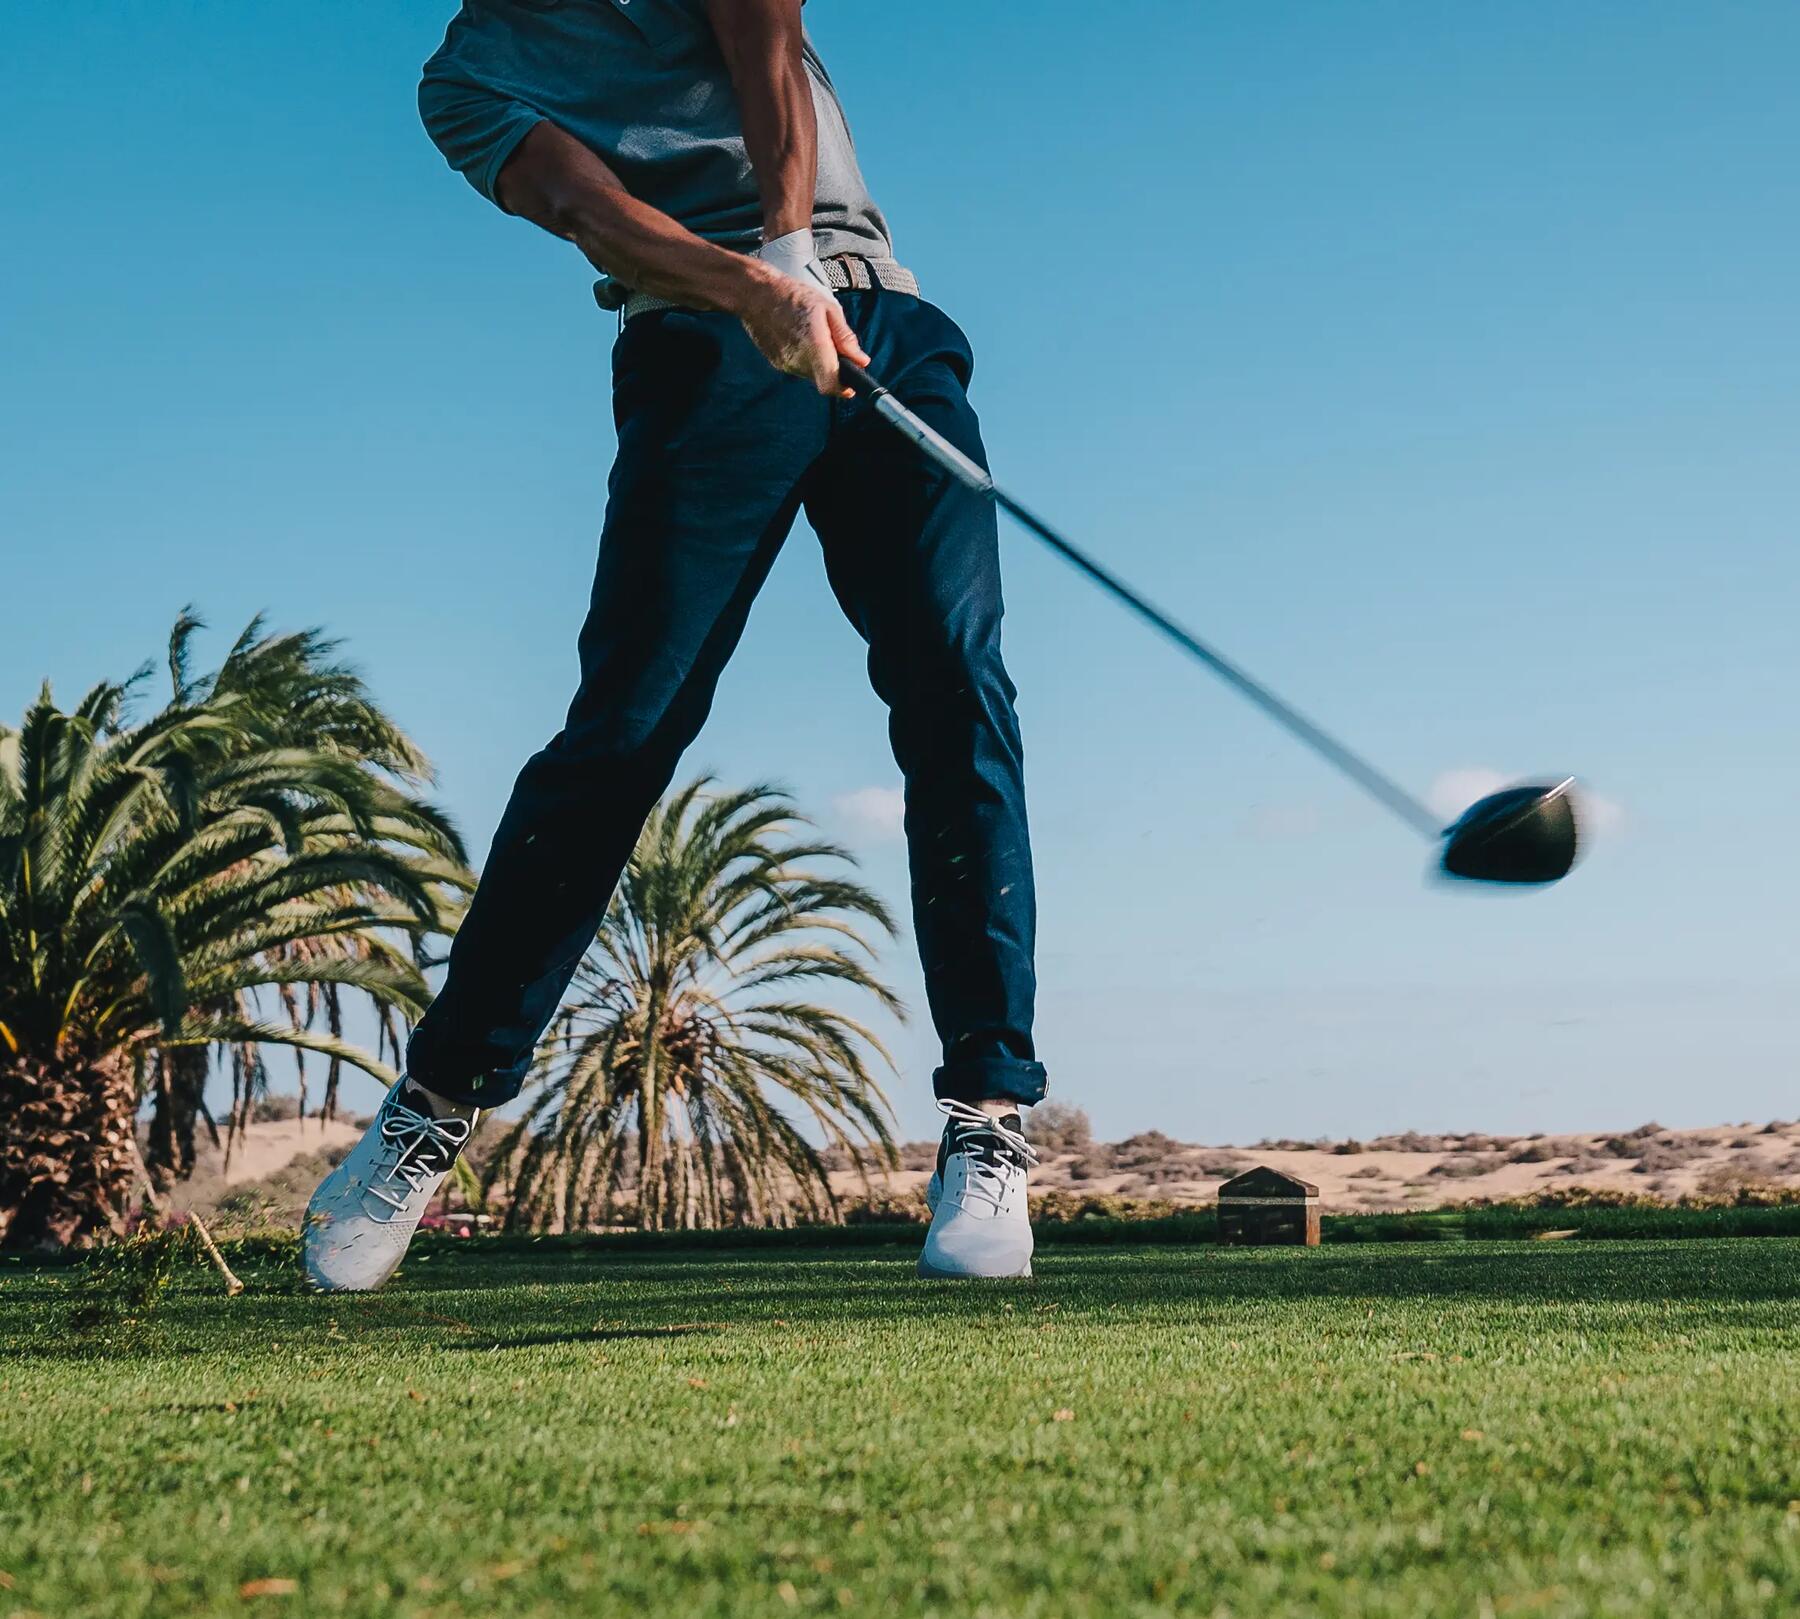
[[937, 448], [952, 460]]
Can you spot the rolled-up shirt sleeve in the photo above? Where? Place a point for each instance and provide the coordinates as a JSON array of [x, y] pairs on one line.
[[475, 128]]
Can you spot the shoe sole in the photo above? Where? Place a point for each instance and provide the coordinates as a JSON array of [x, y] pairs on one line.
[[933, 1274]]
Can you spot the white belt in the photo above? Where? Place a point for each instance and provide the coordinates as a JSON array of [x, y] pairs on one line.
[[848, 272]]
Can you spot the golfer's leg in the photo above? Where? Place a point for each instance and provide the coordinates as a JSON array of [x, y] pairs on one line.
[[914, 560], [713, 444]]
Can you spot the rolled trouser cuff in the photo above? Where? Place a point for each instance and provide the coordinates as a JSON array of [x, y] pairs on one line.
[[991, 1079], [490, 1089]]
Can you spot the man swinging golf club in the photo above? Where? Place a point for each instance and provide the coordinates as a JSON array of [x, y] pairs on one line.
[[695, 152]]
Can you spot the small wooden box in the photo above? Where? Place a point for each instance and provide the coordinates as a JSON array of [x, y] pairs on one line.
[[1262, 1207]]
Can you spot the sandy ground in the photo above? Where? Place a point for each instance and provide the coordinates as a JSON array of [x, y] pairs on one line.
[[1353, 1177], [266, 1148], [1666, 1163], [272, 1171]]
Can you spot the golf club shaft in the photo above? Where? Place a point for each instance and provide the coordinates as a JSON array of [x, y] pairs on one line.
[[959, 466]]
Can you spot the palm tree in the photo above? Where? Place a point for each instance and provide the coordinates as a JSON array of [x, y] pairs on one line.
[[686, 1055], [258, 840], [292, 690]]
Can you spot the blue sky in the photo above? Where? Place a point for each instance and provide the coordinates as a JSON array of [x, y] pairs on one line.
[[1441, 362]]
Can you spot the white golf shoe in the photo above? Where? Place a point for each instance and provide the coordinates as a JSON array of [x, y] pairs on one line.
[[365, 1211], [980, 1224]]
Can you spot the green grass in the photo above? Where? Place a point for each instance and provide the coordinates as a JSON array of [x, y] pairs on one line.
[[1427, 1431], [1474, 1222]]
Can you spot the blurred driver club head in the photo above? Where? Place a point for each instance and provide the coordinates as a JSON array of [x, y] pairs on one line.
[[1524, 835]]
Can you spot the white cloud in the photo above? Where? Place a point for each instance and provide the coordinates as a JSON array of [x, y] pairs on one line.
[[877, 814], [1455, 790]]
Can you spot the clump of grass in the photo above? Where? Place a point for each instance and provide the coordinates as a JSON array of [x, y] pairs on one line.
[[120, 1283]]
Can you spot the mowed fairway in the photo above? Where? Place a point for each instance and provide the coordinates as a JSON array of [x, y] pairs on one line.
[[1430, 1431]]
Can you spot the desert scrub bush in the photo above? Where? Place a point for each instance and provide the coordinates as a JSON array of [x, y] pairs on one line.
[[1055, 1208], [1580, 1197], [1656, 1157], [1738, 1186], [1167, 1172], [1466, 1165], [1413, 1141], [886, 1208], [1727, 1180], [1369, 1172], [1147, 1147], [1718, 1195], [1541, 1149], [1058, 1127], [278, 1107]]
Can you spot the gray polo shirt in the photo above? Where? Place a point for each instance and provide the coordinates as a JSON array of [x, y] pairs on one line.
[[644, 84]]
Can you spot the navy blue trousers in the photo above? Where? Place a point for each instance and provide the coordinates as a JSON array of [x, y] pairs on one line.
[[718, 453]]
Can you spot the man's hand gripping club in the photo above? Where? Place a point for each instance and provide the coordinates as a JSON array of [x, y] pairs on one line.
[[801, 328]]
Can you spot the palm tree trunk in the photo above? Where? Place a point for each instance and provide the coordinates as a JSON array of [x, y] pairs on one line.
[[66, 1150], [334, 1022], [652, 1194], [559, 1201], [175, 1115]]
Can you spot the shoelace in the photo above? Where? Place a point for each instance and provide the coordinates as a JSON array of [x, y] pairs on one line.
[[410, 1133], [997, 1148]]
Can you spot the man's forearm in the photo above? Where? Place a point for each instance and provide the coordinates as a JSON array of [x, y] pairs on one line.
[[650, 252], [558, 183], [761, 41], [555, 181]]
